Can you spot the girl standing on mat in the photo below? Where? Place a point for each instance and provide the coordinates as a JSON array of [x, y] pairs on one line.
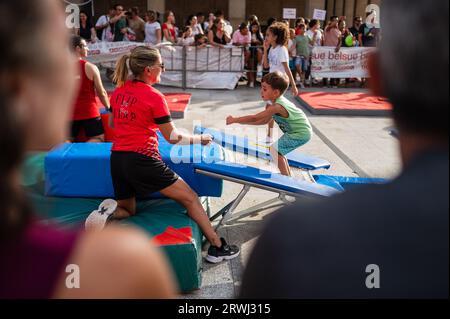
[[136, 166], [86, 114], [35, 103]]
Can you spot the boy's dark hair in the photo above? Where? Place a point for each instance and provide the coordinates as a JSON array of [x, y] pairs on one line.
[[302, 26], [281, 31], [277, 81]]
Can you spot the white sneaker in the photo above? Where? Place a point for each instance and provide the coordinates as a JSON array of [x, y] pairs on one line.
[[252, 84], [98, 218], [302, 86]]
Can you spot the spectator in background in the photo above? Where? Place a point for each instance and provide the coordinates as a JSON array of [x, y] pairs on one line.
[[269, 22], [278, 57], [103, 26], [220, 15], [201, 20], [256, 54], [253, 18], [153, 34], [332, 38], [136, 24], [369, 34], [168, 28], [315, 36], [187, 37], [292, 49], [86, 30], [322, 250], [357, 21], [332, 34], [303, 54], [299, 22], [209, 23], [307, 21], [218, 36], [242, 36], [201, 41], [119, 23], [192, 22]]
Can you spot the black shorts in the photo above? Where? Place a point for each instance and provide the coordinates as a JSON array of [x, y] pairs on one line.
[[137, 175], [91, 127]]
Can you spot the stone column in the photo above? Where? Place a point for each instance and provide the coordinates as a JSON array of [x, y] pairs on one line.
[[236, 11], [157, 5], [313, 4]]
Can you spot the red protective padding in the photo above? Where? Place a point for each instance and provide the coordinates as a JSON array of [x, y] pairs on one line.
[[177, 102], [174, 236], [345, 101]]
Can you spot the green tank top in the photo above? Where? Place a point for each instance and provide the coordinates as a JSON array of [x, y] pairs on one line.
[[297, 124]]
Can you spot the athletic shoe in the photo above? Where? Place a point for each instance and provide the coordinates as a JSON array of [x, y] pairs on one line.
[[302, 86], [98, 218], [226, 252], [252, 84]]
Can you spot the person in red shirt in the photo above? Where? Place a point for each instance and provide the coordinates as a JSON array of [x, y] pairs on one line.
[[168, 28], [86, 114], [137, 169]]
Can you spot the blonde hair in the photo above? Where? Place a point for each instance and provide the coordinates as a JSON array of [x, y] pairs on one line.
[[136, 62]]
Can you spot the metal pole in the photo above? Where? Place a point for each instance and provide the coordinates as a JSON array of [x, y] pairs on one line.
[[184, 72]]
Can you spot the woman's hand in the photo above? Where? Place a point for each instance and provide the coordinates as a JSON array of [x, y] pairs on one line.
[[294, 90], [266, 45], [206, 139]]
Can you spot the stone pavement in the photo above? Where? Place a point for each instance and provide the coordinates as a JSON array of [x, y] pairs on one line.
[[356, 146]]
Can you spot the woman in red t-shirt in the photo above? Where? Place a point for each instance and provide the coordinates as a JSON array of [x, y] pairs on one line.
[[137, 169], [86, 114], [168, 28]]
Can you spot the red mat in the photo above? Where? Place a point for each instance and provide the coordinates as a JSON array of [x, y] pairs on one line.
[[173, 236], [178, 104], [344, 103]]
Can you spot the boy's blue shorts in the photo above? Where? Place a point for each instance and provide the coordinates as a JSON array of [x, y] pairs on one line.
[[288, 143]]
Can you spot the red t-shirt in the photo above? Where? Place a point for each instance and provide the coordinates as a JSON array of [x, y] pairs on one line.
[[171, 30], [138, 109], [86, 102]]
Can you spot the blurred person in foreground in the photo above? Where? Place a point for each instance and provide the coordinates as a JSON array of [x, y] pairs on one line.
[[115, 263], [378, 241]]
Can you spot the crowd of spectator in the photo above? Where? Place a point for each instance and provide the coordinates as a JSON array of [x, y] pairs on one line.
[[213, 29]]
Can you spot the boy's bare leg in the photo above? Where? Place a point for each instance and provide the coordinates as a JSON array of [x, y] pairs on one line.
[[281, 162], [283, 166]]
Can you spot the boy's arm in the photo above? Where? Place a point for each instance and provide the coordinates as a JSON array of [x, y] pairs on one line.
[[257, 119]]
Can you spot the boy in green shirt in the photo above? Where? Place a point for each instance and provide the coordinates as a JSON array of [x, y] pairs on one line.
[[292, 121], [303, 53]]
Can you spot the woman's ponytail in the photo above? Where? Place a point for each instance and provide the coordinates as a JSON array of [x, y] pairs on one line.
[[122, 72]]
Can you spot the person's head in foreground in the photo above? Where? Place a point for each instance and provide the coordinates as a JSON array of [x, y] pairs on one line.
[[36, 94], [273, 86], [377, 241]]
